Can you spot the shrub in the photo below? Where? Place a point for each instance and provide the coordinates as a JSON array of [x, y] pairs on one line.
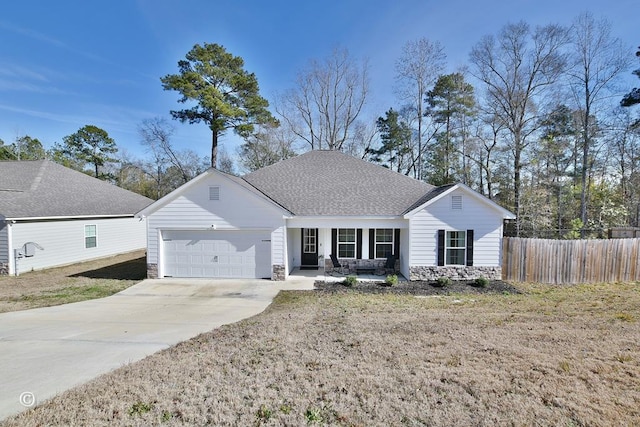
[[140, 408], [350, 280], [481, 282], [313, 415], [391, 280], [285, 408], [263, 414], [443, 281], [166, 416]]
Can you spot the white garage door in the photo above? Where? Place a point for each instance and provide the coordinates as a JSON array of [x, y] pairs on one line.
[[224, 254]]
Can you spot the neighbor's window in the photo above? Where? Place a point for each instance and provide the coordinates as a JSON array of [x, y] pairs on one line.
[[90, 236], [384, 242], [455, 247], [346, 243]]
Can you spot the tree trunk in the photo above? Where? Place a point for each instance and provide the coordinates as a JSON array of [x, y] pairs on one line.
[[585, 167], [517, 153], [559, 202], [516, 191], [419, 174], [214, 148]]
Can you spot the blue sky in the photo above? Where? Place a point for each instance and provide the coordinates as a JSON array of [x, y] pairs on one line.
[[68, 63]]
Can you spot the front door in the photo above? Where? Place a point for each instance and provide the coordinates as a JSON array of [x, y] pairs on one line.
[[309, 248]]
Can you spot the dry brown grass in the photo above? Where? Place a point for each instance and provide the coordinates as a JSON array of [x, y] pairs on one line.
[[564, 356], [73, 283]]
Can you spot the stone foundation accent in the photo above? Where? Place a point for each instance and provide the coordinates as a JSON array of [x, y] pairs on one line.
[[152, 271], [353, 265], [4, 269], [278, 272], [454, 272]]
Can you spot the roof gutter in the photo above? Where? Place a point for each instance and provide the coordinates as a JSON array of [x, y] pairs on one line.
[[55, 218]]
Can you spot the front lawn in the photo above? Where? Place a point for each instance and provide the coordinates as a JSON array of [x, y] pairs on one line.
[[72, 283], [548, 356]]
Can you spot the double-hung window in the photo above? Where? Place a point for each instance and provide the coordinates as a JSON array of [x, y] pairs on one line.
[[90, 236], [346, 243], [384, 242], [455, 247]]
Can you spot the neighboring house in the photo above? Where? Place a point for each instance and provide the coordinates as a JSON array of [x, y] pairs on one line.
[[51, 215], [298, 212]]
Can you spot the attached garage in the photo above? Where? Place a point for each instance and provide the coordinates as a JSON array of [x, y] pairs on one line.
[[216, 253]]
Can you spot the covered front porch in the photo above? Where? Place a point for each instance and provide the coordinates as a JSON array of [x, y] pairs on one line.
[[368, 249]]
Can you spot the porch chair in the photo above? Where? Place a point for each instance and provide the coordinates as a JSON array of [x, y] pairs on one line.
[[390, 265], [336, 264]]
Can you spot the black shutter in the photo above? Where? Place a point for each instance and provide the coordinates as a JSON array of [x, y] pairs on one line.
[[440, 247], [469, 248], [359, 243], [396, 242], [372, 243], [334, 241]]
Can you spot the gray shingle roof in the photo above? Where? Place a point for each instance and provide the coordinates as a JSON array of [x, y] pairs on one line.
[[334, 183], [430, 195], [41, 188]]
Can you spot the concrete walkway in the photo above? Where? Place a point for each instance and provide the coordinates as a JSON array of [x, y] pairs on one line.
[[46, 351]]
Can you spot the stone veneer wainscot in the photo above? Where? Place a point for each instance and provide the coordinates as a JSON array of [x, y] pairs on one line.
[[455, 272], [278, 272], [152, 271]]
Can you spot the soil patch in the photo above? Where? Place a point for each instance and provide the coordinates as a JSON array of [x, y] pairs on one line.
[[420, 288]]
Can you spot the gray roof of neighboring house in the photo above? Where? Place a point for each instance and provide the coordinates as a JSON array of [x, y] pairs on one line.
[[44, 189], [333, 183]]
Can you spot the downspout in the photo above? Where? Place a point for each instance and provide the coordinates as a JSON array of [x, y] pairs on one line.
[[11, 261], [16, 256]]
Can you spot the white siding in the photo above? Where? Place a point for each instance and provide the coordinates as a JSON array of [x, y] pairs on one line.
[[475, 215], [405, 244], [63, 242], [293, 247], [324, 243], [237, 209], [278, 246], [4, 242]]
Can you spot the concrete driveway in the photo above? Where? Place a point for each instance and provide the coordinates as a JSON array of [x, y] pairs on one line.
[[46, 351]]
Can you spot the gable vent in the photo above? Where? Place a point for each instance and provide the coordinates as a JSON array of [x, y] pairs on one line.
[[456, 202], [214, 193]]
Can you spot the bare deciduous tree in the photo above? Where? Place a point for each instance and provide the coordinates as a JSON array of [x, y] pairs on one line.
[[169, 167], [516, 67], [597, 59], [268, 145], [625, 148], [326, 101], [362, 138], [420, 64]]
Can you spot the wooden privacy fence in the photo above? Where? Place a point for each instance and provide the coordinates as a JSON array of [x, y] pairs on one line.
[[570, 261]]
